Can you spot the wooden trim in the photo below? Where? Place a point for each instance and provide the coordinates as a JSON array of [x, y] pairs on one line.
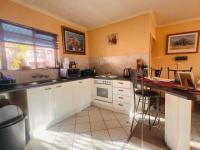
[[28, 27], [167, 40], [65, 51]]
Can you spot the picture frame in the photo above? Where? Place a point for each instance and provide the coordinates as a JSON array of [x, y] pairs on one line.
[[182, 43], [73, 41], [113, 39]]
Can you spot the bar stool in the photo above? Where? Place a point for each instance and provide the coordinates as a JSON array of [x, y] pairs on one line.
[[147, 98], [155, 72], [176, 70]]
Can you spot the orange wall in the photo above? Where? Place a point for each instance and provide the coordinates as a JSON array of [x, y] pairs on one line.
[[159, 58], [133, 37], [19, 14]]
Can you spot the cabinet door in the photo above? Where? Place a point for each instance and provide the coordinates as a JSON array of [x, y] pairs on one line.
[[35, 111], [81, 93], [63, 100], [40, 108], [48, 105]]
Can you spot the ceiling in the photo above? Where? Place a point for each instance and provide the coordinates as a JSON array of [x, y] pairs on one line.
[[95, 13]]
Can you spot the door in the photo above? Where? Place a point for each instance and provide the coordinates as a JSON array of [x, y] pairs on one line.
[[40, 108], [82, 94], [63, 100]]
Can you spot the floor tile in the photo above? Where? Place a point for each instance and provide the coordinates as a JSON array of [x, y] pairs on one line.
[[117, 134], [119, 144], [112, 124], [84, 119], [120, 115], [68, 129], [96, 118], [82, 113], [103, 145], [94, 112], [108, 116], [100, 135], [97, 126], [105, 111], [125, 122], [68, 121], [84, 127], [83, 141]]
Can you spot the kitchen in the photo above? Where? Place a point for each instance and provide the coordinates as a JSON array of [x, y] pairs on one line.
[[76, 93]]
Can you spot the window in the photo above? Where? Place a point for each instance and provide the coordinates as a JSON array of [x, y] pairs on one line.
[[26, 48]]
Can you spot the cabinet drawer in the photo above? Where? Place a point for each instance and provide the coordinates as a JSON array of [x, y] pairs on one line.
[[121, 106], [122, 84], [122, 91], [120, 98]]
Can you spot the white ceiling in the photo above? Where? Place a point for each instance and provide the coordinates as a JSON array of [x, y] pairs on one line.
[[94, 13]]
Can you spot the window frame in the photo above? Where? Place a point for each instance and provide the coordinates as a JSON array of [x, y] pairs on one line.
[[34, 30]]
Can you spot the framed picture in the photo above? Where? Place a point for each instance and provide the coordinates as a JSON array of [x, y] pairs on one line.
[[74, 41], [112, 39], [182, 43]]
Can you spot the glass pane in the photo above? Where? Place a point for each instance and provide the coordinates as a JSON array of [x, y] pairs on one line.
[[45, 57], [19, 56], [102, 92]]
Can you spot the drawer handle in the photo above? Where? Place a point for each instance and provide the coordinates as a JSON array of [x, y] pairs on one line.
[[80, 82], [120, 97], [120, 104], [58, 86], [121, 90], [48, 89], [120, 82]]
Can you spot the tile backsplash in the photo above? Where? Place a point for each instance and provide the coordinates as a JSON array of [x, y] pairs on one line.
[[23, 76], [116, 64], [113, 64]]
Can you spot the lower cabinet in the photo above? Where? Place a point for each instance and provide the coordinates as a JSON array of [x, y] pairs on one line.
[[41, 111], [82, 94], [63, 100], [48, 105]]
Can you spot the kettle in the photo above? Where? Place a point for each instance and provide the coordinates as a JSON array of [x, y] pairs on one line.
[[127, 72]]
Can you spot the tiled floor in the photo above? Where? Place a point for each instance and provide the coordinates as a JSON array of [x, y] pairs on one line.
[[90, 129]]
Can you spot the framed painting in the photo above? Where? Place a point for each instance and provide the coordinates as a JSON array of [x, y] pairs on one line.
[[73, 41], [182, 43]]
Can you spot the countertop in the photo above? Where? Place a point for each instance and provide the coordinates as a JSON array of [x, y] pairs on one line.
[[25, 86], [180, 93]]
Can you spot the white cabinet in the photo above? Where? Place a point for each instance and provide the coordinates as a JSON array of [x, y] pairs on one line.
[[41, 111], [63, 100], [82, 94], [48, 105]]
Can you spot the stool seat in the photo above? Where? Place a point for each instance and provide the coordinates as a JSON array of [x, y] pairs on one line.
[[147, 93]]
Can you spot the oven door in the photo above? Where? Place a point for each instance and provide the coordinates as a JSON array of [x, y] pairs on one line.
[[103, 93]]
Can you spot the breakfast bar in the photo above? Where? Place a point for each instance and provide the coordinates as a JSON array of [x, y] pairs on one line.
[[178, 104]]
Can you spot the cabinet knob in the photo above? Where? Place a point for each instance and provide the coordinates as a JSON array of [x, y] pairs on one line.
[[120, 97], [121, 90], [80, 82], [120, 82]]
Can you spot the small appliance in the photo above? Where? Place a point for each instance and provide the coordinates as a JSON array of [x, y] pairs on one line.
[[87, 73], [70, 73], [127, 72]]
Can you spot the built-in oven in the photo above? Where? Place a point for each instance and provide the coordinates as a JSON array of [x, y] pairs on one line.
[[103, 90]]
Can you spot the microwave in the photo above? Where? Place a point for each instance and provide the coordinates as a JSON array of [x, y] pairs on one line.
[[70, 73]]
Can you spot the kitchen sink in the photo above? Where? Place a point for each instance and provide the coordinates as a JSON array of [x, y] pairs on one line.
[[41, 82]]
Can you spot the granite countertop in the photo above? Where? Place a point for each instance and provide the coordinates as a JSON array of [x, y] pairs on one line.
[[35, 84]]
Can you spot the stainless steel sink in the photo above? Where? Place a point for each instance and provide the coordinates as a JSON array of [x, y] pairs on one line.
[[41, 82]]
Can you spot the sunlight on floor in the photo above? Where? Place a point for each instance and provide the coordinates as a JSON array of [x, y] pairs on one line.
[[90, 129]]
